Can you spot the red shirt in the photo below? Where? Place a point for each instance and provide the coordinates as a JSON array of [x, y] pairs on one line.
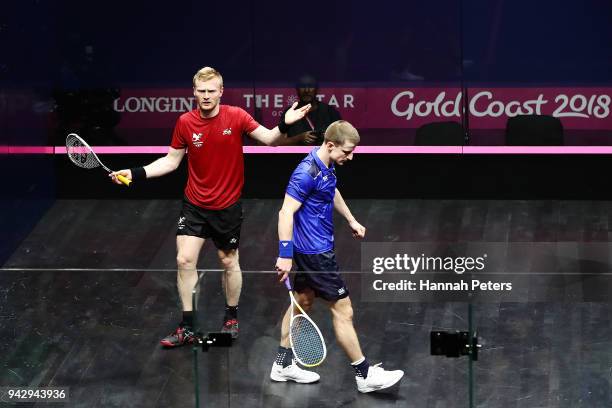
[[214, 151]]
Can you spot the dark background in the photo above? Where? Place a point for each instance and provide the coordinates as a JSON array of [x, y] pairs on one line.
[[62, 62]]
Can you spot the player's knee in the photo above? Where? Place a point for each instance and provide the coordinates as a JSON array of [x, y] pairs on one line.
[[305, 303], [348, 314], [344, 313], [185, 262], [229, 263]]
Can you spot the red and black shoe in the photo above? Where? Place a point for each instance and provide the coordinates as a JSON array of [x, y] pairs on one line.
[[230, 326], [181, 336]]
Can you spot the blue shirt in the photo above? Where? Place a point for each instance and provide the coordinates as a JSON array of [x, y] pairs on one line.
[[314, 185]]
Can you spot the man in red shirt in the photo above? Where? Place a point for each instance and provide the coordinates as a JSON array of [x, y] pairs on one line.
[[212, 135]]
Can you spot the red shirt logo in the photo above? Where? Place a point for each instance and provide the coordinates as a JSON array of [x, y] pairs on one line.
[[197, 139]]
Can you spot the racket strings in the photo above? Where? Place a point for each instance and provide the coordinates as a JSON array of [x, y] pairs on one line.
[[80, 154], [308, 345]]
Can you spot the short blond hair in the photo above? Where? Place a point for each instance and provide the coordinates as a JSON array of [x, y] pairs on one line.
[[206, 74], [341, 131]]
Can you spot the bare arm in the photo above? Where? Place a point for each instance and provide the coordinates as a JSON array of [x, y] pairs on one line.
[[269, 137], [340, 206], [166, 164], [285, 232], [273, 137], [158, 168]]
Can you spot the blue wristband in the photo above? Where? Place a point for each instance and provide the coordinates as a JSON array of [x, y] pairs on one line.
[[285, 249]]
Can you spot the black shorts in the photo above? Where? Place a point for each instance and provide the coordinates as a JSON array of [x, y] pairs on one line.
[[319, 272], [223, 226]]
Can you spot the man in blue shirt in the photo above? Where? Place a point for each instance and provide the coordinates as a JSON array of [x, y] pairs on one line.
[[306, 236]]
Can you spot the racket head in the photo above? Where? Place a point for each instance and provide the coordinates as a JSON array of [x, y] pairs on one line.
[[81, 154], [306, 341]]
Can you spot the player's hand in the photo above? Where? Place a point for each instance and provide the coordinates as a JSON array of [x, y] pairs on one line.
[[125, 173], [293, 115], [283, 267], [358, 229]]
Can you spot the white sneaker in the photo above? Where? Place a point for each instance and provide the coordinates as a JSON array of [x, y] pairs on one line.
[[293, 373], [378, 379]]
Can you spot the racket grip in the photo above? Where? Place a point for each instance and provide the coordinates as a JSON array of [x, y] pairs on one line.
[[288, 283], [124, 180]]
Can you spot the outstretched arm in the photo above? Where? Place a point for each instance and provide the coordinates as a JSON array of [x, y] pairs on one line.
[[340, 206], [273, 137], [158, 168], [285, 232]]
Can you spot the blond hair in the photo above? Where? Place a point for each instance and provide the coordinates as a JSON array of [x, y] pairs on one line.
[[340, 132], [206, 74]]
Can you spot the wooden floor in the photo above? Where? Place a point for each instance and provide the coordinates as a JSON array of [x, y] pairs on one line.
[[96, 328]]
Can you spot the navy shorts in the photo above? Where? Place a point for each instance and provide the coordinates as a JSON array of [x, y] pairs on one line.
[[223, 226], [319, 272]]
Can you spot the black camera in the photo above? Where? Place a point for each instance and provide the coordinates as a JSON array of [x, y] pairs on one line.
[[214, 340], [455, 344], [319, 133]]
